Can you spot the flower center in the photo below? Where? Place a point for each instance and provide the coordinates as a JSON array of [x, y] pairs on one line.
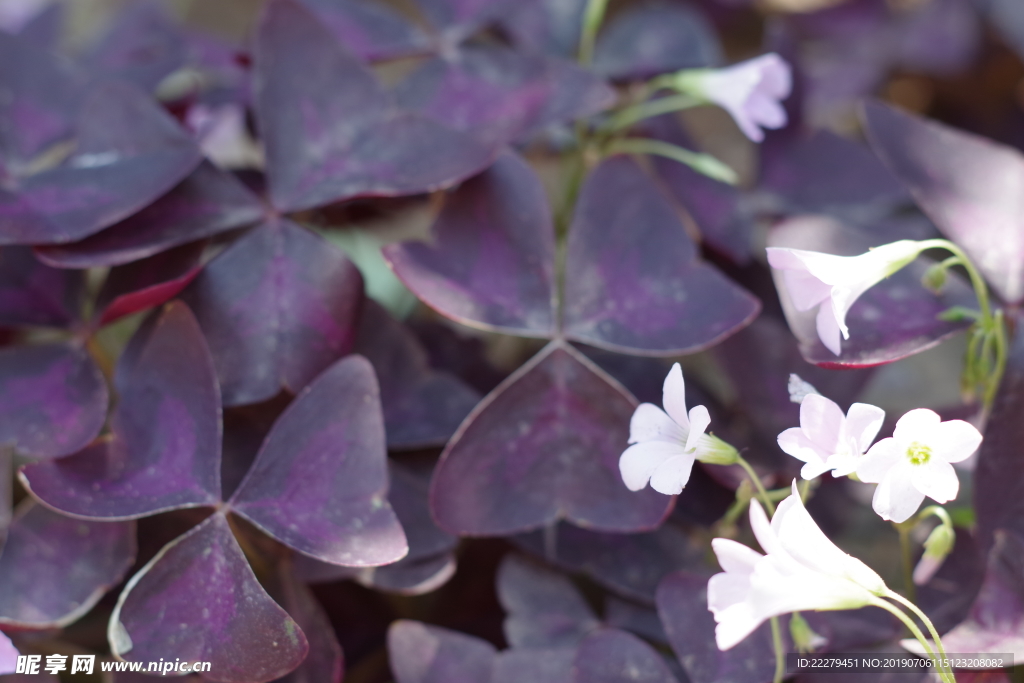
[[918, 453]]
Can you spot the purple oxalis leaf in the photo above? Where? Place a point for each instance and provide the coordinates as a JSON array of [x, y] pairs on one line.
[[654, 37], [547, 26], [325, 662], [998, 483], [550, 665], [544, 446], [149, 282], [54, 569], [634, 282], [163, 452], [896, 318], [53, 399], [142, 46], [610, 656], [429, 654], [968, 185], [330, 130], [370, 29], [458, 19], [630, 564], [543, 608], [492, 263], [207, 202], [319, 484], [128, 152], [995, 623], [683, 606], [422, 406], [277, 307], [431, 559], [212, 609], [34, 294]]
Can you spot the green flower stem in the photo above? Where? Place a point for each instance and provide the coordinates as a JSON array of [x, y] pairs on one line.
[[904, 529], [946, 674], [645, 110], [892, 595], [702, 163], [756, 481], [780, 654], [592, 18], [989, 330]]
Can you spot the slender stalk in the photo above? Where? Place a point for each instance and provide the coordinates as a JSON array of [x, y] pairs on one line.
[[906, 559], [645, 110], [592, 18], [756, 481], [702, 163], [893, 595], [978, 282], [909, 623], [780, 654]]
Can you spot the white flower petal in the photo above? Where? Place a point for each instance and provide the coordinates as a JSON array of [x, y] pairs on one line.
[[815, 469], [9, 655], [843, 464], [829, 330], [651, 423], [699, 421], [734, 625], [955, 440], [936, 479], [762, 529], [863, 421], [795, 442], [822, 421], [805, 289], [734, 557], [879, 459], [673, 396], [638, 462], [671, 476], [726, 590], [917, 425], [773, 594], [897, 499]]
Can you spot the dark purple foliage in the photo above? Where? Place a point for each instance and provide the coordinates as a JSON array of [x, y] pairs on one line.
[[34, 294]]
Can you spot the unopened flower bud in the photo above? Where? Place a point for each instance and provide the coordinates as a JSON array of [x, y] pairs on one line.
[[937, 546], [934, 278], [804, 638], [714, 451]]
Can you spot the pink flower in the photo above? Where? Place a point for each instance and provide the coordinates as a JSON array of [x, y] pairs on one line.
[[828, 440], [915, 462], [750, 91]]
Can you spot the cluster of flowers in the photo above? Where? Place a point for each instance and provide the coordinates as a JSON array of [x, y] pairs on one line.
[[801, 568]]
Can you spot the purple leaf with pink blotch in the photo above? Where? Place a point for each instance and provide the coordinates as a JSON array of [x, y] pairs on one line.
[[149, 282], [370, 29], [431, 559], [163, 451], [683, 606], [654, 37], [827, 173], [611, 656], [896, 318], [53, 399], [277, 307], [325, 662], [212, 609], [330, 130], [420, 653], [634, 283], [53, 569], [998, 482], [967, 185], [35, 294], [142, 46], [42, 97], [542, 447], [207, 202], [543, 609], [995, 623], [491, 264], [552, 665], [128, 152], [497, 94], [422, 407], [630, 564], [319, 484]]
